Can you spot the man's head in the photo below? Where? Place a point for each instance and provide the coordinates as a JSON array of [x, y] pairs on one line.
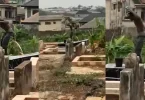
[[130, 14]]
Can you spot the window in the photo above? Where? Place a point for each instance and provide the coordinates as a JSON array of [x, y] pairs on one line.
[[47, 23], [34, 12], [28, 13], [114, 6], [142, 15], [54, 22], [119, 6]]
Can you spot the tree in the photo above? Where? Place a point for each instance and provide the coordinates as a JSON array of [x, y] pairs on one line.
[[41, 12], [100, 9], [71, 24], [79, 6]]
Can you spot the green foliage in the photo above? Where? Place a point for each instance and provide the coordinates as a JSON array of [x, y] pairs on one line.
[[118, 47], [14, 48], [79, 35], [23, 42], [21, 33], [30, 46]]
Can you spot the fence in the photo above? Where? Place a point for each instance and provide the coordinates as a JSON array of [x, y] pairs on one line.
[[132, 79]]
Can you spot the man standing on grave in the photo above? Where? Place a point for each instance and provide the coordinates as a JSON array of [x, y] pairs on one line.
[[7, 35], [139, 41]]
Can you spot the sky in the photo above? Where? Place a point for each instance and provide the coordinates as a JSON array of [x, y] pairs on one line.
[[70, 3]]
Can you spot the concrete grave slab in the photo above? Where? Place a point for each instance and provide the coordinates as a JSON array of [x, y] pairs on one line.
[[89, 60], [34, 61], [23, 78]]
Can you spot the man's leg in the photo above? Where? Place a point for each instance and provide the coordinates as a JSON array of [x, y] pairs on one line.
[[138, 46]]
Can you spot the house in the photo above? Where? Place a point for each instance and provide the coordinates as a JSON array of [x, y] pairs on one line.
[[31, 8], [115, 13], [91, 17], [51, 23], [8, 11], [82, 13], [34, 19]]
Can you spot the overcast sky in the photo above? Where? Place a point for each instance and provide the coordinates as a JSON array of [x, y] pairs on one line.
[[70, 3]]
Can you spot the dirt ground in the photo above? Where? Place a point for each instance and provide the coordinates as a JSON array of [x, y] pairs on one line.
[[80, 86]]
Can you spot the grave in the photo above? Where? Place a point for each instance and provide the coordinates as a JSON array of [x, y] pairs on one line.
[[130, 83], [30, 96], [89, 60], [23, 78]]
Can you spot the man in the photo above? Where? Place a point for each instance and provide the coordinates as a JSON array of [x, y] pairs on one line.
[[7, 35], [139, 41]]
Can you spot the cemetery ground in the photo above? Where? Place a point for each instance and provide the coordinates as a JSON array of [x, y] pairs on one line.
[[67, 79], [75, 86], [53, 75]]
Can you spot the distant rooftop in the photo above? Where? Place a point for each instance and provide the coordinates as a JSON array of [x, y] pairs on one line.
[[32, 3], [51, 17], [90, 24], [83, 12], [92, 16]]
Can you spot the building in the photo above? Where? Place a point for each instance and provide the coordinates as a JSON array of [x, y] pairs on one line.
[[31, 7], [51, 23], [91, 17], [82, 13], [8, 11], [115, 13]]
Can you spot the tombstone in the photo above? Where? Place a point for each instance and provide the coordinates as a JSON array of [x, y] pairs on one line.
[[79, 49], [41, 45], [23, 78], [34, 61], [69, 49], [4, 76], [83, 47], [132, 79]]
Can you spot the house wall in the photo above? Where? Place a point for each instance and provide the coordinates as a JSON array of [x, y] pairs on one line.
[[2, 10], [108, 14], [51, 27]]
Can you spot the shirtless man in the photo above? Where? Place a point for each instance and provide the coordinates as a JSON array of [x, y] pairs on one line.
[[140, 29], [7, 35]]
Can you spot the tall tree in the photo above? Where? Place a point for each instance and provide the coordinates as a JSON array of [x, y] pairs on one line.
[[71, 24]]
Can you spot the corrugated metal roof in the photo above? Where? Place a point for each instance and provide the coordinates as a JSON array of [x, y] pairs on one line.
[[92, 16]]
